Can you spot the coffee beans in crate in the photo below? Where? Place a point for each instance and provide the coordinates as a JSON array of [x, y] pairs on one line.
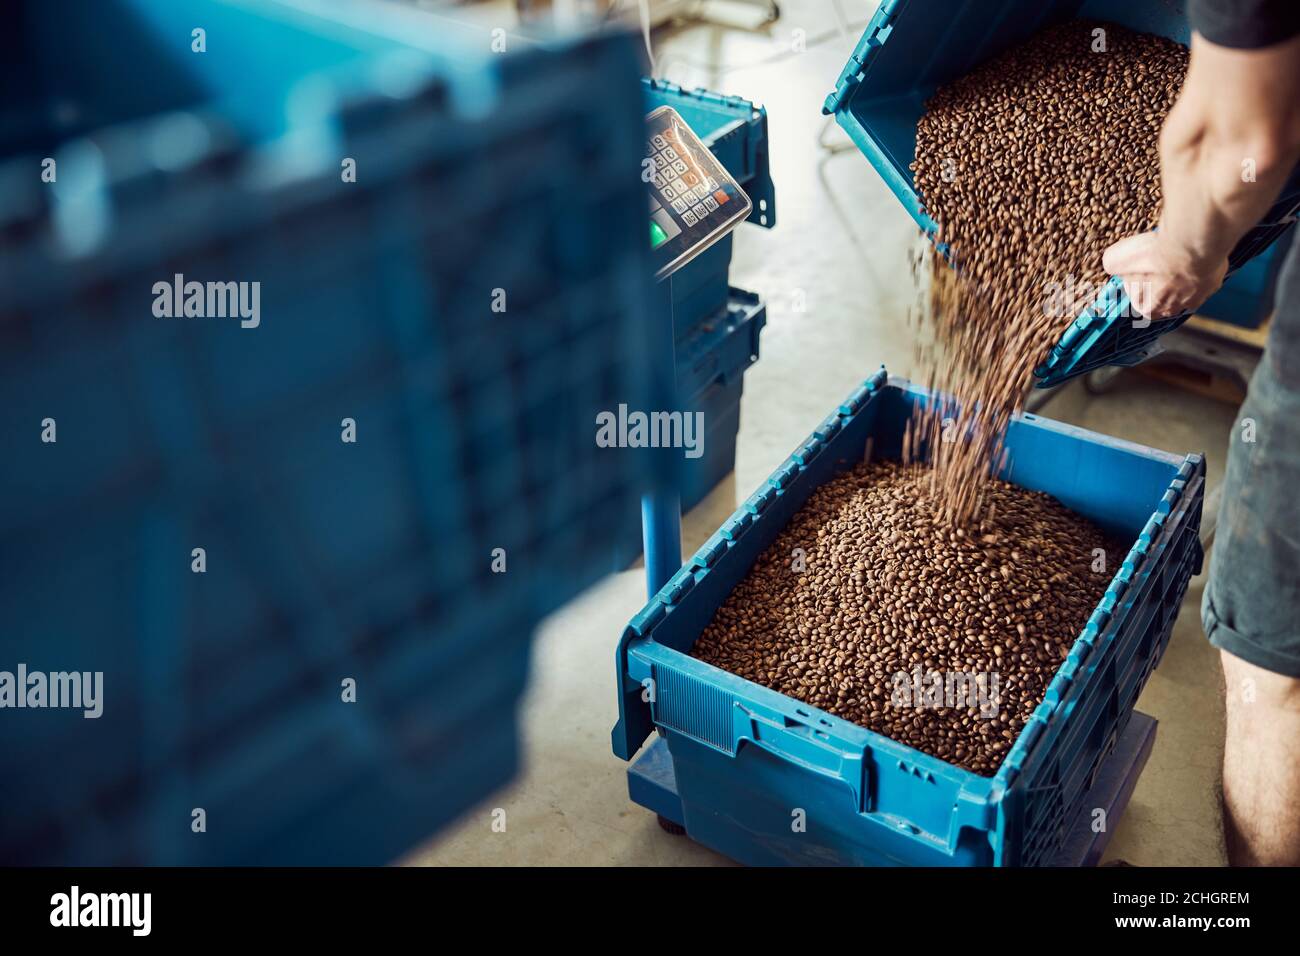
[[875, 610]]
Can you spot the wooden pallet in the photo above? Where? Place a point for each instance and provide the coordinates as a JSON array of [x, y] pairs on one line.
[[1221, 386], [1255, 338], [1210, 358]]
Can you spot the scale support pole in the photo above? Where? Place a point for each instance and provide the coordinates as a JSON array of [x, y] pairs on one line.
[[661, 507]]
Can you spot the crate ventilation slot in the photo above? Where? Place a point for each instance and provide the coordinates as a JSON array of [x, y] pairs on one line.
[[694, 708]]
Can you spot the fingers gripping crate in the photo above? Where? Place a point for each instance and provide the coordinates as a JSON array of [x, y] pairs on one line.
[[746, 757], [323, 559], [912, 47]]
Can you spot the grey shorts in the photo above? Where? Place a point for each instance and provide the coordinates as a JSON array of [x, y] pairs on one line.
[[1251, 607]]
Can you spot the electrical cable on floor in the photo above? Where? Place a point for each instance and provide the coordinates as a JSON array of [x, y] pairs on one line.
[[1036, 398], [778, 57], [840, 18], [836, 207], [643, 7]]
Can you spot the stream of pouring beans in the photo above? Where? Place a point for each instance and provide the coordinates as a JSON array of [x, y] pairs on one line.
[[1031, 165]]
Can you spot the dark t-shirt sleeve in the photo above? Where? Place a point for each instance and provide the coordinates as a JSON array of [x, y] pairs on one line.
[[1245, 24]]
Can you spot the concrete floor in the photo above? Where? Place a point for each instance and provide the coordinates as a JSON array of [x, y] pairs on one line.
[[840, 246]]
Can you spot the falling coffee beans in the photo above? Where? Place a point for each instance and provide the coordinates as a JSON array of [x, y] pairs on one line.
[[888, 589], [1031, 166]]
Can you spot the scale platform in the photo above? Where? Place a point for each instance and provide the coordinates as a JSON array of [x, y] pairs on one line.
[[652, 783]]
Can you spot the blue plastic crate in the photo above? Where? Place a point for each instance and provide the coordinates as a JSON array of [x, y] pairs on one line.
[[735, 130], [720, 403], [912, 47], [745, 757], [723, 346], [325, 560], [1246, 299], [698, 290]]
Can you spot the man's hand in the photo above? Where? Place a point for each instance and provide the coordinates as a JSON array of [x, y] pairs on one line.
[[1162, 281], [1226, 150]]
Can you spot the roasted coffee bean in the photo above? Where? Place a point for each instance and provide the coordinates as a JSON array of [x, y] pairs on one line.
[[839, 633]]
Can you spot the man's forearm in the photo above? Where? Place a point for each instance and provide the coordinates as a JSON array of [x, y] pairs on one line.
[[1228, 147]]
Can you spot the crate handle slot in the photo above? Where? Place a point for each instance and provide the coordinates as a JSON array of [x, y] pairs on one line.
[[809, 747]]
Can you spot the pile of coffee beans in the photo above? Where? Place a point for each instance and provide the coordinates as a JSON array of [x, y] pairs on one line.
[[1031, 165], [868, 601]]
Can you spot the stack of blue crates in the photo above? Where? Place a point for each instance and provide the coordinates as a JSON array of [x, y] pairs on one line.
[[716, 326], [711, 364], [745, 758], [912, 47], [735, 130], [306, 546]]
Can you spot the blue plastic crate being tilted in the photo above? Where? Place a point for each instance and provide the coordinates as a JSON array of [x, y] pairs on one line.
[[912, 47], [456, 307], [735, 130], [745, 756]]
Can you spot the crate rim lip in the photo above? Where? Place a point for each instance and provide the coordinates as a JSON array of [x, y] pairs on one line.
[[642, 641], [710, 98], [753, 320]]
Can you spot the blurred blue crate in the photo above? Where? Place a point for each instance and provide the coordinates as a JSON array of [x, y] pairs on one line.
[[743, 755], [912, 47], [325, 560], [735, 130]]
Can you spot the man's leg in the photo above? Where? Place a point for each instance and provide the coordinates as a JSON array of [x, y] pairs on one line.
[[1251, 607], [1261, 766]]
